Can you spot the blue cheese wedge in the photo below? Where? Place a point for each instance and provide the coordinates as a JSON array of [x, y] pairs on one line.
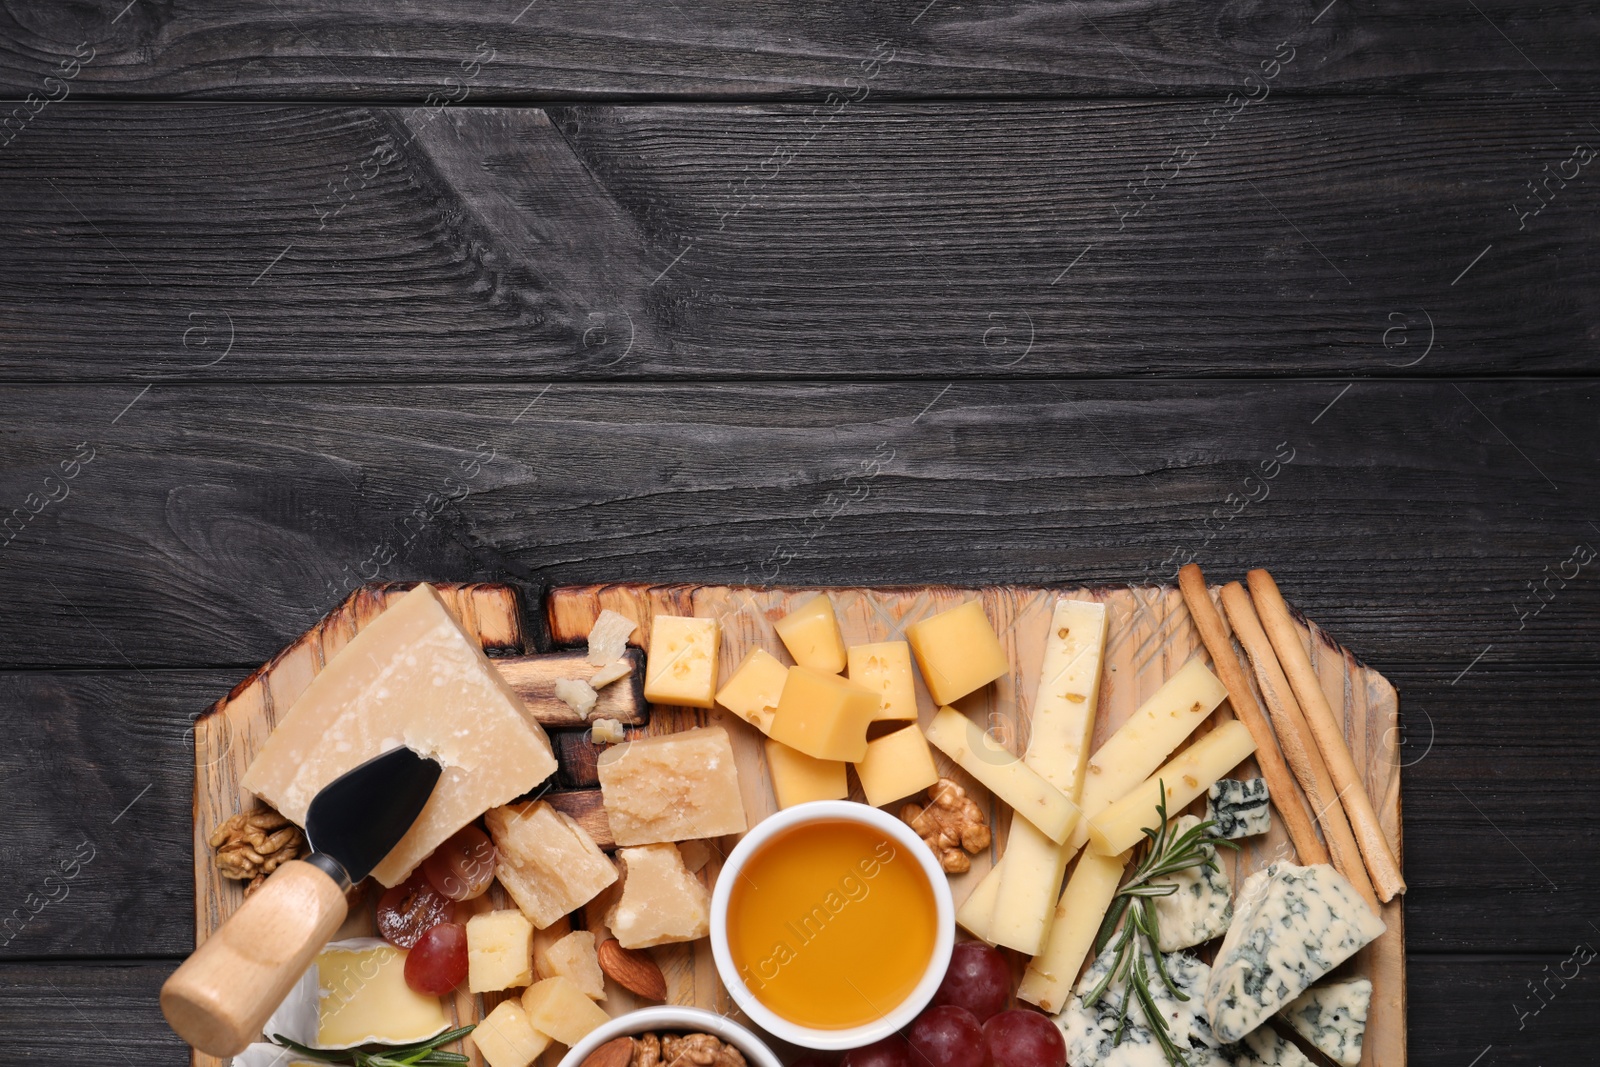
[[1267, 1048], [1090, 1032], [1200, 909], [1333, 1017], [1240, 808], [1291, 926]]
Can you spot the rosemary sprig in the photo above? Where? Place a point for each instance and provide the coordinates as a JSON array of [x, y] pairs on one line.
[[421, 1054], [1133, 908]]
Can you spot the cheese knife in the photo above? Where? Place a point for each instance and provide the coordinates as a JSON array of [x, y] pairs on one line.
[[221, 996]]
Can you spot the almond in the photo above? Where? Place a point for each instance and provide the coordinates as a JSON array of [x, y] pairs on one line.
[[617, 1052], [634, 971]]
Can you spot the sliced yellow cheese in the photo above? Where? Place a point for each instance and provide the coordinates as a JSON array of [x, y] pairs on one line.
[[1032, 867], [681, 667], [823, 715], [798, 778], [1002, 773], [896, 765], [958, 651], [811, 634], [977, 910], [1049, 978], [885, 667], [363, 997], [753, 691], [412, 677], [506, 1038], [1186, 777]]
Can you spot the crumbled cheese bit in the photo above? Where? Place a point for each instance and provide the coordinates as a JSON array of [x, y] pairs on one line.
[[607, 732], [608, 638], [578, 695], [611, 672]]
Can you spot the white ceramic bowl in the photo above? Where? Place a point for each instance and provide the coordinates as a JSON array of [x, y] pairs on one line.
[[669, 1018], [944, 936]]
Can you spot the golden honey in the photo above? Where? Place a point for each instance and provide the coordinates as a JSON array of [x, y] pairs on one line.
[[831, 924]]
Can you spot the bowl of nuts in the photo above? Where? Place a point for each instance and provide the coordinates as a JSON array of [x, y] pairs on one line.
[[670, 1037]]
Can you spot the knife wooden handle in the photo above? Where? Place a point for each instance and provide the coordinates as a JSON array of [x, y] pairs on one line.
[[221, 996]]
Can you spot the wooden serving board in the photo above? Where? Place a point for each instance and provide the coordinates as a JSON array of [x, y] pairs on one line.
[[1151, 636]]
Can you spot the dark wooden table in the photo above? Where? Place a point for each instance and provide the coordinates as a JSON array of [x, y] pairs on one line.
[[296, 295]]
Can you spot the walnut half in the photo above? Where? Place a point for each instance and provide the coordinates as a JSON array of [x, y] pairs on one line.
[[684, 1050], [950, 822], [253, 844]]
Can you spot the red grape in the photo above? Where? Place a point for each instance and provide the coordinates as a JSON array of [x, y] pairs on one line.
[[410, 910], [815, 1059], [978, 979], [892, 1051], [463, 866], [946, 1036], [437, 963], [1022, 1038]]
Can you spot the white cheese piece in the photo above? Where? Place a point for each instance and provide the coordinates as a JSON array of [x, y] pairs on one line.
[[1267, 1048], [577, 695], [1240, 808], [614, 671], [608, 637], [1090, 1032], [1291, 926], [607, 732], [1201, 908], [363, 997], [1333, 1017]]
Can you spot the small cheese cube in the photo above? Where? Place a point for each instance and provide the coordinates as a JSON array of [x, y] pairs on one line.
[[672, 787], [558, 1008], [574, 958], [548, 863], [811, 634], [506, 1038], [661, 901], [753, 691], [797, 777], [896, 766], [885, 668], [957, 651], [543, 940], [824, 715], [499, 951], [681, 667]]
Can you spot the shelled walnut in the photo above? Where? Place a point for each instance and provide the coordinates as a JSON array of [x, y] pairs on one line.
[[684, 1050], [253, 844], [950, 822]]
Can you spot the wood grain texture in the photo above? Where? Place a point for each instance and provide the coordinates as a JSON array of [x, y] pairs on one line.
[[299, 49], [1151, 635], [235, 243], [215, 525]]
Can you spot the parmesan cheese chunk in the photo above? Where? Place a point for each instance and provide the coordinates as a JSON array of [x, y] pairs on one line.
[[672, 787], [412, 677], [661, 901], [577, 695], [548, 863], [608, 637]]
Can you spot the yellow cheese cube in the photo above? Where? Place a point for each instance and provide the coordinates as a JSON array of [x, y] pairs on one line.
[[363, 997], [559, 1009], [885, 668], [682, 665], [499, 951], [824, 715], [575, 959], [753, 691], [957, 651], [797, 777], [506, 1038], [811, 634], [896, 766]]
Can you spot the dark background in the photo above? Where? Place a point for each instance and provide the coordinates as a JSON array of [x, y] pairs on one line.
[[271, 271]]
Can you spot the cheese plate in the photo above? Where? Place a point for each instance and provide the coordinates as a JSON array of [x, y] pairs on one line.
[[1149, 637]]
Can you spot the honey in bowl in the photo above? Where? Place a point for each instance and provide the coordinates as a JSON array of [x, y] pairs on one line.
[[831, 924]]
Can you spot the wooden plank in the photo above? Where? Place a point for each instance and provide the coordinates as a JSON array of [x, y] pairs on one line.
[[1054, 239], [534, 678], [217, 524], [481, 50], [1151, 636]]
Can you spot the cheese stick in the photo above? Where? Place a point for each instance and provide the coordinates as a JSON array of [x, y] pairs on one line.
[[1084, 903], [1187, 776], [1285, 638], [1285, 794], [1003, 774], [1295, 740]]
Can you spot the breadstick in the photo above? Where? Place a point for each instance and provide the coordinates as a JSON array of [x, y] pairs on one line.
[[1285, 638], [1295, 740], [1285, 794]]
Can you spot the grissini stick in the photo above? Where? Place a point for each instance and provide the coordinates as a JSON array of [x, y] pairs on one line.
[[1308, 846], [221, 996], [1285, 638], [1295, 739]]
